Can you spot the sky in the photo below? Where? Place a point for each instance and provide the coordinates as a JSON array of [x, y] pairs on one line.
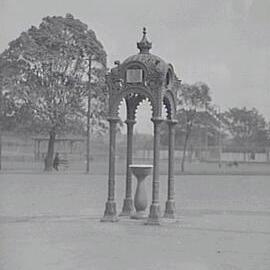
[[225, 44]]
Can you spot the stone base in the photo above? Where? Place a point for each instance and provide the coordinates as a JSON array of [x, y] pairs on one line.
[[110, 212], [151, 221], [170, 210], [154, 215], [139, 215], [128, 207]]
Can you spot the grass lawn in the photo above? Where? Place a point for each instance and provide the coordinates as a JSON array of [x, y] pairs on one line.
[[100, 167]]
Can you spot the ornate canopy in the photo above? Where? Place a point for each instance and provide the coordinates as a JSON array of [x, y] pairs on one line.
[[143, 76]]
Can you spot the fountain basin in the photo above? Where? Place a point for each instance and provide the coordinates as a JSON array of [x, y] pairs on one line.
[[141, 170]]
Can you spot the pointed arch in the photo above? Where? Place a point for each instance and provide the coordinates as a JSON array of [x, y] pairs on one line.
[[140, 91], [170, 104]]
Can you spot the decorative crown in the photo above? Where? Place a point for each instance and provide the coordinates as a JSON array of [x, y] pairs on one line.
[[144, 45]]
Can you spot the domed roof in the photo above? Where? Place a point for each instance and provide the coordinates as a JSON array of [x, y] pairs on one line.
[[151, 61]]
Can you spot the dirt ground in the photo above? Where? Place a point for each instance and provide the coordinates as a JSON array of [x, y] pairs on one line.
[[52, 222]]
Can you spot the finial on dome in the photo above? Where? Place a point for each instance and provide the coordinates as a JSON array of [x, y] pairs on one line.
[[144, 31], [144, 45]]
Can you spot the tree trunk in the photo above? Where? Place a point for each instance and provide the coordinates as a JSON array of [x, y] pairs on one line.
[[184, 153], [0, 151], [1, 128], [88, 117], [49, 156]]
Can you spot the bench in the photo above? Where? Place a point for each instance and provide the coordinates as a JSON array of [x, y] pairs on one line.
[[232, 164]]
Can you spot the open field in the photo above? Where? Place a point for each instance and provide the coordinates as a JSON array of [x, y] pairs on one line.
[[100, 167], [51, 221]]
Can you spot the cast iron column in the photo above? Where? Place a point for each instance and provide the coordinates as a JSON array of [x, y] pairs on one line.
[[170, 203], [128, 207], [110, 208], [154, 215]]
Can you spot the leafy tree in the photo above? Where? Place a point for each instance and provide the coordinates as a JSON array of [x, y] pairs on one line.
[[48, 77], [247, 127], [7, 110], [192, 100]]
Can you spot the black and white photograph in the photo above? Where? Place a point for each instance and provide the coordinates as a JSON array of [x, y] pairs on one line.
[[135, 135]]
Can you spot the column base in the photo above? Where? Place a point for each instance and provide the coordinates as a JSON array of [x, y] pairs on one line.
[[128, 207], [110, 212], [170, 210], [154, 215], [139, 215]]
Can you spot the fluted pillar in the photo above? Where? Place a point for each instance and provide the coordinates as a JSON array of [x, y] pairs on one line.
[[128, 207], [170, 203], [110, 207], [154, 215]]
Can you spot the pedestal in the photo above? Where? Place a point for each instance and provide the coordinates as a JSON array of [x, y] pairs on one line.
[[128, 207], [170, 209], [140, 199], [110, 213], [154, 215]]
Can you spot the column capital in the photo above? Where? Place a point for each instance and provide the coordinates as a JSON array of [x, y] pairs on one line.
[[130, 122], [157, 120], [113, 119]]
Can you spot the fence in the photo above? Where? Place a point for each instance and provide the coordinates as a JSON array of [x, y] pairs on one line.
[[29, 153]]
